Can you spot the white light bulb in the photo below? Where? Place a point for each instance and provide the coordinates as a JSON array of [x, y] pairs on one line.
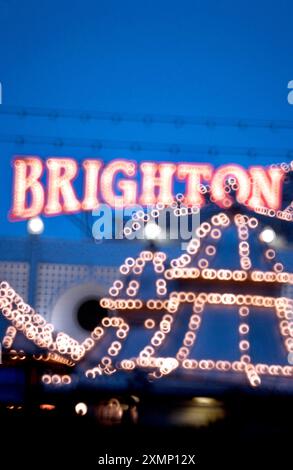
[[35, 226], [81, 409], [152, 231], [267, 235]]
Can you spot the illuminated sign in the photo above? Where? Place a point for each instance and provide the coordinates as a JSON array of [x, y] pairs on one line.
[[104, 351], [49, 186]]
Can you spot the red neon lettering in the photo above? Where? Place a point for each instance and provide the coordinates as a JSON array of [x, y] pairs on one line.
[[61, 172], [266, 187], [194, 174], [92, 169], [27, 173], [218, 185], [127, 187], [256, 187], [157, 176]]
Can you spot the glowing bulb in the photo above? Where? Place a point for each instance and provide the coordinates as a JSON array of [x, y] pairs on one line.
[[81, 409], [267, 235], [152, 231], [47, 407], [205, 401], [35, 226], [290, 358]]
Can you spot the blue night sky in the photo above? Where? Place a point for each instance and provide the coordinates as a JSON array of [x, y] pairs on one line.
[[213, 59]]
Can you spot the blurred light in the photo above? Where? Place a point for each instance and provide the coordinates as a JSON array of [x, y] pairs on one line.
[[290, 358], [81, 409], [267, 235], [135, 398], [205, 401], [47, 406], [110, 413], [152, 231], [201, 412], [35, 226]]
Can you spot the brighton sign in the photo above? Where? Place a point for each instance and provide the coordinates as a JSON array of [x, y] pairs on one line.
[[50, 186]]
